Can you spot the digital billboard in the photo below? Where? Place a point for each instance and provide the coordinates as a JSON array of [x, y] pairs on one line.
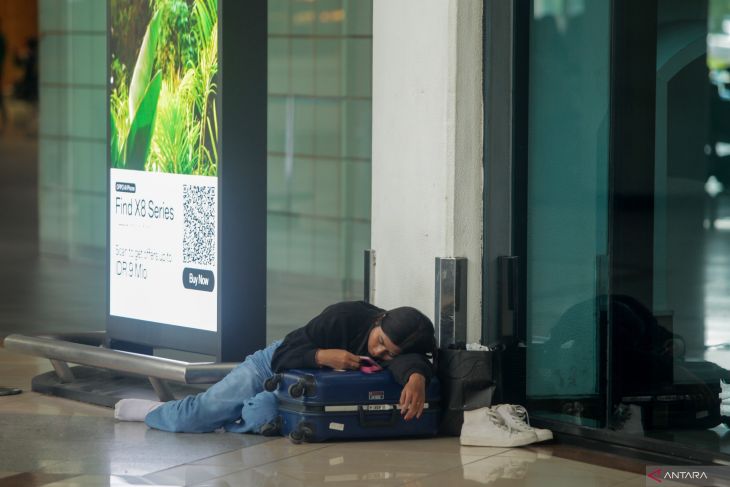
[[164, 162]]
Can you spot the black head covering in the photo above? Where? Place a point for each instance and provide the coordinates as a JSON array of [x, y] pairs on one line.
[[410, 330]]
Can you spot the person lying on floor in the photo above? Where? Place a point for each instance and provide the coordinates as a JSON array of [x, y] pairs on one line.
[[400, 340]]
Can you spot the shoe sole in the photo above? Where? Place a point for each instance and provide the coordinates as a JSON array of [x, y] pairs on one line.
[[542, 435], [547, 435], [476, 441]]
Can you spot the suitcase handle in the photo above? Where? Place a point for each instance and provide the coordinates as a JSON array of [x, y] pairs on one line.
[[376, 423]]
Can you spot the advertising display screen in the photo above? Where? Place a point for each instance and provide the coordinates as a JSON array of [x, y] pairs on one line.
[[163, 156]]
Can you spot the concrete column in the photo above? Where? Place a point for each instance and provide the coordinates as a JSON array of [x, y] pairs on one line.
[[427, 148]]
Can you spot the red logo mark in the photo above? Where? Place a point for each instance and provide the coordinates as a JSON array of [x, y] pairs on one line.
[[658, 473]]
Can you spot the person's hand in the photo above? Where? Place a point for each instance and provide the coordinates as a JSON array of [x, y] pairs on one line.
[[413, 397], [337, 359]]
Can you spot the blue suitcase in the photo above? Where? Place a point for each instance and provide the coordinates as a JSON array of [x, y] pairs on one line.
[[317, 405]]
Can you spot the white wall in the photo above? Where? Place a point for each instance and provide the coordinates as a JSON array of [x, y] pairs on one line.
[[427, 148]]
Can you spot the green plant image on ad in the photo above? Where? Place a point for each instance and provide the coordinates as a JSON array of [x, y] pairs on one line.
[[164, 71]]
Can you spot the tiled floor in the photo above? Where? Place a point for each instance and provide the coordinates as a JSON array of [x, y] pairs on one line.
[[55, 442]]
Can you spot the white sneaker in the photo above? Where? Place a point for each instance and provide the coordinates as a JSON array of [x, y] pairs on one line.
[[516, 417], [484, 427]]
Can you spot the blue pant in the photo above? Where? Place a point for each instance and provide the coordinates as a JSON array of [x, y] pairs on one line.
[[239, 396]]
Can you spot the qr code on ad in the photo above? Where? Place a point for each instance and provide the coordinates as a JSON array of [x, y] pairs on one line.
[[199, 220]]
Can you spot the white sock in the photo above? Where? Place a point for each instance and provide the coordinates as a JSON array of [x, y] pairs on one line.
[[134, 409]]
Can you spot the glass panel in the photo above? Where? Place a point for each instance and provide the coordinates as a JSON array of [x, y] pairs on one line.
[[669, 336], [72, 128], [320, 66], [567, 207], [674, 350]]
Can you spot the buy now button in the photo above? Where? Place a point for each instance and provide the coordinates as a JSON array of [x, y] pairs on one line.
[[198, 279]]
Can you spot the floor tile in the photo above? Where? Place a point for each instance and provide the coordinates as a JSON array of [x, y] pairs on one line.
[[337, 464], [640, 481], [256, 477], [101, 481], [593, 457], [105, 466], [269, 476], [25, 460], [20, 376], [191, 474], [541, 461], [261, 454], [78, 445], [514, 471], [30, 479], [34, 403], [155, 451], [425, 445]]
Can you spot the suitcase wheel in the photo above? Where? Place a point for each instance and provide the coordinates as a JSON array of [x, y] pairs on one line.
[[296, 437], [303, 432], [272, 428], [272, 382], [297, 389]]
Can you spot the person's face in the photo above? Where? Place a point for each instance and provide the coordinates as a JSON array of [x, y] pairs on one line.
[[380, 346]]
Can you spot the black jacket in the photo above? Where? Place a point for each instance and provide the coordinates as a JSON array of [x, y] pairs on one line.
[[345, 326]]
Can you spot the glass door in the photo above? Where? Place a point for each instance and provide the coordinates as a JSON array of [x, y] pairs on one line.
[[567, 209], [624, 235]]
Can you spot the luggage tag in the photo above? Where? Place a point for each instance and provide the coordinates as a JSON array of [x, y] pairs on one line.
[[368, 365]]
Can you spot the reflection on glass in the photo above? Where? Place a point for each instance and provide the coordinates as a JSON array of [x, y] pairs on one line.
[[559, 11], [670, 348], [671, 387], [318, 156], [567, 207]]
